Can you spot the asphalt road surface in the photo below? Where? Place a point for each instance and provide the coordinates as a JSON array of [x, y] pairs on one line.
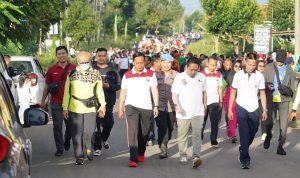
[[217, 163]]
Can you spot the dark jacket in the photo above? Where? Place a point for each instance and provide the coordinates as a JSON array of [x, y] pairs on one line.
[[111, 76], [289, 80]]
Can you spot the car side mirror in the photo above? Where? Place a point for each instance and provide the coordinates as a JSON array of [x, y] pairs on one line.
[[35, 117]]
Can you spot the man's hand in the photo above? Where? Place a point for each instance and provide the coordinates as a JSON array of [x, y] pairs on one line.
[[155, 112], [105, 85], [66, 115], [178, 109], [221, 105], [264, 116], [101, 112], [121, 113], [43, 105], [293, 115], [230, 115]]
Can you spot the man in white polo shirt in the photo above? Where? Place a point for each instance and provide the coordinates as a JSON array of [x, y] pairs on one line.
[[214, 99], [189, 97], [246, 85], [135, 92], [123, 63]]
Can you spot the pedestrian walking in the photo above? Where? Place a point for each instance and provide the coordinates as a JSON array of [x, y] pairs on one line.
[[83, 92], [111, 84], [280, 80], [24, 92], [189, 97], [55, 86], [231, 123], [137, 86], [261, 67], [214, 99], [166, 117], [123, 62], [245, 87]]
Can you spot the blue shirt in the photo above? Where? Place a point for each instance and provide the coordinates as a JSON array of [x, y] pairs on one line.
[[281, 71]]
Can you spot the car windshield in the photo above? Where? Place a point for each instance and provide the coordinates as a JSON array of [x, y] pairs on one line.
[[22, 66]]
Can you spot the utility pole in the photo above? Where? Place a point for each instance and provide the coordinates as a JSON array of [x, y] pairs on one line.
[[297, 27]]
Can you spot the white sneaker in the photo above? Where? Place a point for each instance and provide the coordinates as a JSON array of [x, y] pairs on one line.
[[263, 137], [197, 162], [215, 146], [183, 160], [97, 152]]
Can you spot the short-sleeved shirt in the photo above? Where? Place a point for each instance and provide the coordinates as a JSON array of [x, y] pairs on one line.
[[190, 94], [214, 81], [247, 87], [138, 88], [123, 62], [53, 75]]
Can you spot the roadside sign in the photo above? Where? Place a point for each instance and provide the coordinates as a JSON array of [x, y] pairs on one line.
[[262, 38]]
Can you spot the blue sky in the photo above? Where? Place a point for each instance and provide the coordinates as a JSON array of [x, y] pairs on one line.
[[192, 5]]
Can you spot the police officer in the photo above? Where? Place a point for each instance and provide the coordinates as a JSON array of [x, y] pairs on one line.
[[111, 83], [166, 117]]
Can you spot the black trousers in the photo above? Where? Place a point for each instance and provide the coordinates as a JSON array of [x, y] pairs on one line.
[[214, 112], [248, 123], [82, 128], [104, 127], [138, 123], [58, 119], [165, 124]]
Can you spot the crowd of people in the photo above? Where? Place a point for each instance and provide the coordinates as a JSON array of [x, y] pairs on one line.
[[171, 89], [161, 88]]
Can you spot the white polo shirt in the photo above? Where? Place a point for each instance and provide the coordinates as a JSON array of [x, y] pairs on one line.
[[247, 89], [190, 94], [138, 88], [123, 62], [214, 81]]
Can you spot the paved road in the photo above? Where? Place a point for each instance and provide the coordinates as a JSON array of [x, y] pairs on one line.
[[217, 163]]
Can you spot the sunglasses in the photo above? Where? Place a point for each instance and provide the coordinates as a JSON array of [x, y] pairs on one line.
[[237, 66]]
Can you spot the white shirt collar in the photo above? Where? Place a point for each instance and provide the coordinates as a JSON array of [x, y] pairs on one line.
[[207, 71], [134, 71]]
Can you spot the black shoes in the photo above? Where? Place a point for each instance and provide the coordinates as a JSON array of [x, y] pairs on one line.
[[59, 153], [163, 151], [67, 145], [280, 151], [233, 139], [79, 161], [106, 145], [245, 165], [267, 141]]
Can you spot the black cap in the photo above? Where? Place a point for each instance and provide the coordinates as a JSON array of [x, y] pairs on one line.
[[281, 55]]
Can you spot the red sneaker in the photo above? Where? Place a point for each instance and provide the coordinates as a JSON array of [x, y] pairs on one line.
[[132, 164], [141, 158]]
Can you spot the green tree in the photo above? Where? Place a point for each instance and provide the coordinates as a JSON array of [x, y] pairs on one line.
[[282, 13], [193, 22], [231, 19], [156, 15], [79, 21], [20, 20]]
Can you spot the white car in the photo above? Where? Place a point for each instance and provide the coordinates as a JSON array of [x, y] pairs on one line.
[[8, 78], [29, 64]]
